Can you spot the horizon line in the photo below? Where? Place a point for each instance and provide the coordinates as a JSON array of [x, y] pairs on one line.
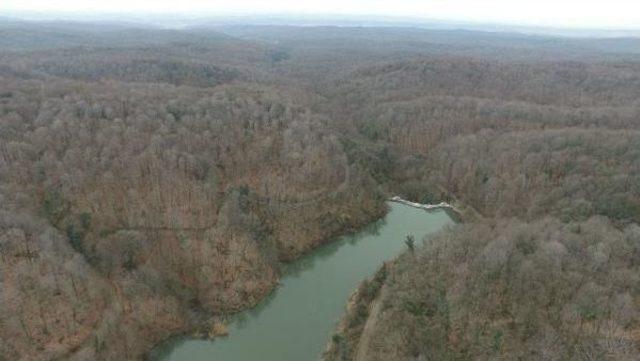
[[193, 15]]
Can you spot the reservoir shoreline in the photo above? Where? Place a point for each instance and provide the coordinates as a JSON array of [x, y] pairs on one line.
[[312, 294]]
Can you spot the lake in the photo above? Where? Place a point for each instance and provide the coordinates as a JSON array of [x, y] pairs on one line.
[[296, 321]]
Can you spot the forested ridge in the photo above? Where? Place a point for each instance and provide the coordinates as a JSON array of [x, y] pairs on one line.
[[153, 178], [547, 152]]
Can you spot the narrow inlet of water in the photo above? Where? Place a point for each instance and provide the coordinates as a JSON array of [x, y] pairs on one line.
[[295, 322]]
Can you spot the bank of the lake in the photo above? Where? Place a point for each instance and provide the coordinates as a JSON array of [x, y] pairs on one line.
[[297, 319]]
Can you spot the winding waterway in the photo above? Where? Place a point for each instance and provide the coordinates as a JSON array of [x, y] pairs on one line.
[[296, 320]]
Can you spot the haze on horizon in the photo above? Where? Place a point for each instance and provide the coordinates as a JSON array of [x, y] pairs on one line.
[[612, 14]]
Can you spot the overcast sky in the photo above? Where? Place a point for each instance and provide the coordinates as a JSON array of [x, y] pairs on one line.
[[562, 13]]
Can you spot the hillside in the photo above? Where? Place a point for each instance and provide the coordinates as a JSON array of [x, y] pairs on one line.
[[152, 179], [507, 290]]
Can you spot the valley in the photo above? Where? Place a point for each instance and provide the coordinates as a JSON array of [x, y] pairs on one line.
[[154, 179]]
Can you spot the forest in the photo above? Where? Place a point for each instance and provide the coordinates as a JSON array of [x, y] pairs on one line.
[[149, 177]]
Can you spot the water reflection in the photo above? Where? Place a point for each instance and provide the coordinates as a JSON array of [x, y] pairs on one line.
[[325, 251]]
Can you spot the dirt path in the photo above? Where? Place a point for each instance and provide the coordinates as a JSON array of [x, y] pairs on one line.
[[370, 326]]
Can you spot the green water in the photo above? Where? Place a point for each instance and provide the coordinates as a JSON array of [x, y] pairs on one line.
[[295, 322]]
